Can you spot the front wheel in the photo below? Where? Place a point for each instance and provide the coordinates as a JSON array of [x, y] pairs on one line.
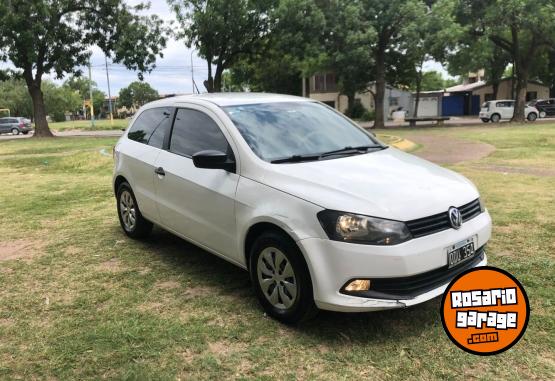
[[543, 114], [532, 117], [15, 131], [485, 120], [281, 279], [130, 217]]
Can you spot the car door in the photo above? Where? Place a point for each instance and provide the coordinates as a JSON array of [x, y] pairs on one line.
[[197, 203], [145, 141], [4, 125], [506, 109]]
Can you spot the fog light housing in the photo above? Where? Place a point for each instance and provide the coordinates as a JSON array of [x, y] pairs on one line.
[[358, 285]]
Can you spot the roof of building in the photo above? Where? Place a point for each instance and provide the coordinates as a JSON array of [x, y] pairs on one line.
[[476, 85]]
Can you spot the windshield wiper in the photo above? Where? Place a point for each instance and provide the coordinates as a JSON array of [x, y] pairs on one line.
[[349, 149], [296, 159]]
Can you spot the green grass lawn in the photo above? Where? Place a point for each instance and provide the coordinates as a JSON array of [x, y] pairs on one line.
[[79, 300], [85, 125]]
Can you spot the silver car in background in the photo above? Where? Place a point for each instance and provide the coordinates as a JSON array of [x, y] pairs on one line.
[[15, 125]]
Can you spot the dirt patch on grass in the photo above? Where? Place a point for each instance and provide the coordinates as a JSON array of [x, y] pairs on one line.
[[113, 265], [448, 150], [20, 249], [541, 172], [200, 291], [225, 348], [168, 285]]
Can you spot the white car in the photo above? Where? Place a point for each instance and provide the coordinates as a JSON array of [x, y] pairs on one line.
[[494, 111], [321, 213]]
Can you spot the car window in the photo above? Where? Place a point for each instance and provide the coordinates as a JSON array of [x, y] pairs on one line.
[[194, 131], [151, 126], [284, 129], [3, 121]]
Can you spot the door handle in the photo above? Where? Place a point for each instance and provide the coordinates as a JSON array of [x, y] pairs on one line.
[[160, 171]]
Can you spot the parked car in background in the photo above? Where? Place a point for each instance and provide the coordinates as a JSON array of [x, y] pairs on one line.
[[319, 211], [494, 111], [15, 125], [546, 107]]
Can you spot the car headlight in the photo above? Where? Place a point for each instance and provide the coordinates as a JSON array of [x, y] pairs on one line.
[[355, 228]]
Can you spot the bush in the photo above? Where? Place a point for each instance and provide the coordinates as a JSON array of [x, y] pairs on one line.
[[357, 111], [368, 116]]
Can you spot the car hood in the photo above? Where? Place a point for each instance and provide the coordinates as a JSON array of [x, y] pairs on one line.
[[388, 184]]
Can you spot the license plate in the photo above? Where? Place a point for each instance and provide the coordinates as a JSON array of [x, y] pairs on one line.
[[460, 252]]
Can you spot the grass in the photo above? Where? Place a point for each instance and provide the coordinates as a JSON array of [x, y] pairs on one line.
[[85, 125], [79, 300]]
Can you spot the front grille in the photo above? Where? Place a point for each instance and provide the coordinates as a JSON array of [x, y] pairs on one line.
[[412, 286], [439, 222]]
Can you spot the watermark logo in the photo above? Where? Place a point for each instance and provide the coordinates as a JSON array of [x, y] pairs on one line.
[[485, 311]]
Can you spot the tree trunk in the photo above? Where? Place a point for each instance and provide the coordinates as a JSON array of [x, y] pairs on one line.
[[217, 86], [418, 90], [380, 89], [350, 104], [520, 104], [209, 83], [495, 87], [39, 111]]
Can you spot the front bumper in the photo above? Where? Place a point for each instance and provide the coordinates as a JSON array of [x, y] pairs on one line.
[[332, 264]]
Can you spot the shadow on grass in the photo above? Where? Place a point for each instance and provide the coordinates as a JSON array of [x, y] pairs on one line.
[[208, 270]]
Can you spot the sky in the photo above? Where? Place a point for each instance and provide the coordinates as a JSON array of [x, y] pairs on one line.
[[173, 72]]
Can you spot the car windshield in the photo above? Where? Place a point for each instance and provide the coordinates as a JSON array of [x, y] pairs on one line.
[[277, 131]]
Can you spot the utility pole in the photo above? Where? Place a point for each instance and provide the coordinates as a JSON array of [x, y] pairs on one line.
[[91, 94], [109, 93], [192, 72]]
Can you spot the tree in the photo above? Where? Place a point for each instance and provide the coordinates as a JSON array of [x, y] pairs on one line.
[[14, 96], [45, 36], [525, 29], [392, 21], [285, 54], [137, 94], [344, 46], [222, 31], [58, 100], [429, 36]]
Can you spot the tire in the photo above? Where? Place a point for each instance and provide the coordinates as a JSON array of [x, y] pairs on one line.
[[543, 114], [15, 131], [130, 218], [25, 132], [485, 120], [532, 117], [276, 260], [495, 118]]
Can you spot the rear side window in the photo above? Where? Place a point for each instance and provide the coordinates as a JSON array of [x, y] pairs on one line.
[[194, 131], [151, 126]]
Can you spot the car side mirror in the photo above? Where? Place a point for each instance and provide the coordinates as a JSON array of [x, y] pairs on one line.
[[211, 159]]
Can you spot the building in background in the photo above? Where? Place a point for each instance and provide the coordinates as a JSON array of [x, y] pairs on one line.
[[323, 88]]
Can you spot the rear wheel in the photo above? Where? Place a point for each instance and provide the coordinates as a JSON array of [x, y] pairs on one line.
[[532, 117], [281, 279], [130, 217], [485, 120], [15, 131], [543, 114], [25, 132], [495, 118]]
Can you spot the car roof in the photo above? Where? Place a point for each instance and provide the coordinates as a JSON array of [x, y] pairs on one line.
[[231, 99]]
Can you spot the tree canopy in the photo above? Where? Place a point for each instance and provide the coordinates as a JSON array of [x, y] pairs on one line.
[[137, 94], [44, 36]]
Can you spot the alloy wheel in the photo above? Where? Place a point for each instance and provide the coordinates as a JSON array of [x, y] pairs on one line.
[[277, 278], [127, 210]]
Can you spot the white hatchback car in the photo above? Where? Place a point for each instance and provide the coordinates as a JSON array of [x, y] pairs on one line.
[[494, 111], [321, 213]]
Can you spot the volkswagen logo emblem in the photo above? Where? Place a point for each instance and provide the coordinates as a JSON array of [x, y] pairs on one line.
[[455, 217]]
